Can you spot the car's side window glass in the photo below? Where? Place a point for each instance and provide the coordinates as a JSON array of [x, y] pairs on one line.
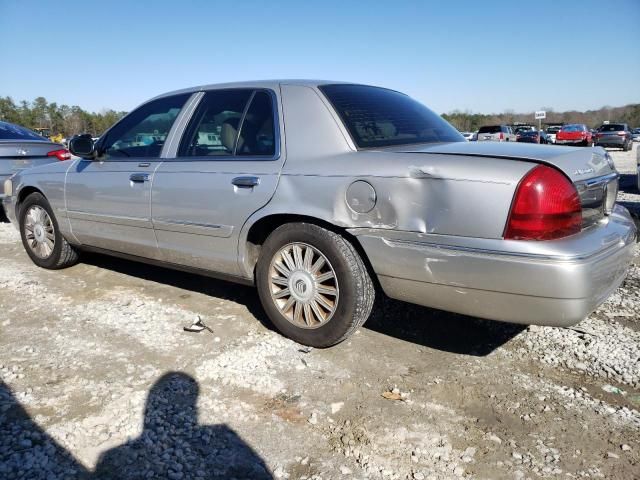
[[214, 128], [257, 135], [142, 133]]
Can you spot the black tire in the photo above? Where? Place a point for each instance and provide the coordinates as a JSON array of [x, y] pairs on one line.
[[63, 254], [356, 290]]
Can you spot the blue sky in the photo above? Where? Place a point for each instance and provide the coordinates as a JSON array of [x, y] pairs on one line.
[[468, 55]]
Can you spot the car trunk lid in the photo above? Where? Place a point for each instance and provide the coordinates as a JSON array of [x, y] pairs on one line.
[[18, 155], [575, 135]]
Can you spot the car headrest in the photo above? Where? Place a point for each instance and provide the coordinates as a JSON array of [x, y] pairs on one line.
[[229, 133]]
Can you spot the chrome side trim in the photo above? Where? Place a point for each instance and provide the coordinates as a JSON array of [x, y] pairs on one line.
[[482, 251], [112, 219], [193, 228], [583, 184]]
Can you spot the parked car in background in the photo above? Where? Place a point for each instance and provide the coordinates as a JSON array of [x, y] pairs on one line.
[[574, 134], [635, 134], [531, 136], [544, 138], [521, 127], [374, 186], [614, 135], [22, 148], [468, 136], [496, 133], [552, 131], [638, 168]]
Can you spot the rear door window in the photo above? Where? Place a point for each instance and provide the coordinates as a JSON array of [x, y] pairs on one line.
[[214, 128], [257, 135]]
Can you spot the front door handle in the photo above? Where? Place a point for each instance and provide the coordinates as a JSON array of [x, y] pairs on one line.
[[246, 182], [139, 177]]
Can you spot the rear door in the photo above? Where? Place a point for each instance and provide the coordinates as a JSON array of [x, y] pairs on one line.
[[109, 199], [226, 167]]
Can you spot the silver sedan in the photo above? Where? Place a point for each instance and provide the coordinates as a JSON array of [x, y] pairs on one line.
[[322, 194]]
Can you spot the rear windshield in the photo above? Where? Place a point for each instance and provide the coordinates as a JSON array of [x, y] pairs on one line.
[[553, 129], [9, 131], [573, 128], [612, 127], [377, 117], [490, 129]]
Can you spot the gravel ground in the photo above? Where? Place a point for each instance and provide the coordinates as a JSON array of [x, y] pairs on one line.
[[98, 379]]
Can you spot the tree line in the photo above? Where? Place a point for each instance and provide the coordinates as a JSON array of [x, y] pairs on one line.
[[470, 122], [60, 119], [70, 120]]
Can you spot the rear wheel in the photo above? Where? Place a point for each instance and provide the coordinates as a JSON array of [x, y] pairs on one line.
[[313, 284], [41, 236]]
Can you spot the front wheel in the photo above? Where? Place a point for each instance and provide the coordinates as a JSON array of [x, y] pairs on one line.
[[41, 236], [313, 284]]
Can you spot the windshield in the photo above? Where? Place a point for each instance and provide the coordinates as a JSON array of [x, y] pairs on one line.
[[553, 129], [9, 131], [377, 117], [572, 128]]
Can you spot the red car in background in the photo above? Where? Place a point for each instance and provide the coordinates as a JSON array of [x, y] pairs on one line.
[[574, 134]]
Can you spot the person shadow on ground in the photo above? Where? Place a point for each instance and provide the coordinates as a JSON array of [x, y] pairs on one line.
[[173, 445], [26, 450]]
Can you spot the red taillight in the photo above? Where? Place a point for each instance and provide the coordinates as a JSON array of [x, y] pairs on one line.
[[501, 136], [546, 206], [62, 154]]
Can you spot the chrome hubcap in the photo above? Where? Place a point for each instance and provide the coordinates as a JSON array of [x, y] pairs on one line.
[[303, 285], [39, 232]]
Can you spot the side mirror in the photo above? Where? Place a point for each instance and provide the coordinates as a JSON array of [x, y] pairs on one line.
[[83, 146]]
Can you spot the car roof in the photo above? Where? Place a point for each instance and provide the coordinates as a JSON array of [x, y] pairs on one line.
[[271, 84]]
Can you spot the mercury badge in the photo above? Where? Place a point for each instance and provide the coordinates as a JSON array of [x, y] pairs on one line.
[[22, 151], [584, 171]]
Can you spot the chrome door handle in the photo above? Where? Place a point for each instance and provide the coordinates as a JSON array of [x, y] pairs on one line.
[[246, 182], [139, 177]]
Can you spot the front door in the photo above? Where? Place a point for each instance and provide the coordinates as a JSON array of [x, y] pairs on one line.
[[227, 166], [109, 199]]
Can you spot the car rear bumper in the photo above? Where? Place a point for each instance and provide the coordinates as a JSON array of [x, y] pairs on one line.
[[612, 141], [554, 283], [577, 141]]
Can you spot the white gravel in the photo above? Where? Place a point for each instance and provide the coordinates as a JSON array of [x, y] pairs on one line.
[[98, 379]]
